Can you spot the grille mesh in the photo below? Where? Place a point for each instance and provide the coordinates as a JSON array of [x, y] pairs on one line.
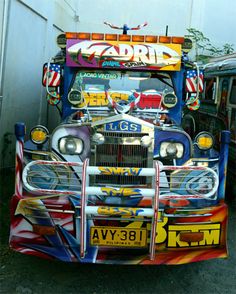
[[121, 155]]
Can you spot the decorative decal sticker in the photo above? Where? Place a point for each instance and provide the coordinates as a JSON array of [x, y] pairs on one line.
[[121, 171], [121, 192], [119, 55]]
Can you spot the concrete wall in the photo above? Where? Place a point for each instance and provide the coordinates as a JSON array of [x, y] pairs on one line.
[[32, 27]]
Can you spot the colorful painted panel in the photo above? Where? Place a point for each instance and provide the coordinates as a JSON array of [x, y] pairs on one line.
[[104, 54], [49, 227]]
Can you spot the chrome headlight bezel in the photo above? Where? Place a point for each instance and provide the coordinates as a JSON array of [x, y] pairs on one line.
[[70, 145], [42, 138], [169, 100], [176, 146], [79, 95], [204, 135]]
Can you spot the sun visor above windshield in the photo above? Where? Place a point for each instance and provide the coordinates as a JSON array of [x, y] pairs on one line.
[[128, 55]]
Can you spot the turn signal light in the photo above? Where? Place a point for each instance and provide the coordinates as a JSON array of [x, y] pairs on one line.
[[138, 38], [124, 38], [111, 37], [164, 39], [85, 36], [96, 36], [151, 39], [70, 35], [177, 40]]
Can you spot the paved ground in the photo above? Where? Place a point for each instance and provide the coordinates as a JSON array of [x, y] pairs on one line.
[[26, 274]]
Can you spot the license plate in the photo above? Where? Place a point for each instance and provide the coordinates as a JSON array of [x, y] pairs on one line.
[[118, 237]]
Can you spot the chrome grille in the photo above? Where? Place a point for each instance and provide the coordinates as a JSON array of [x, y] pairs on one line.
[[121, 150]]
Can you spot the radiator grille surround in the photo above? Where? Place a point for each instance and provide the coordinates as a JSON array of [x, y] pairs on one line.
[[121, 150]]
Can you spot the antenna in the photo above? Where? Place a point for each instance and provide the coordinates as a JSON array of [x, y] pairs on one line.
[[166, 30]]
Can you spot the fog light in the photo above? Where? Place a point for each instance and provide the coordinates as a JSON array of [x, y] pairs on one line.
[[204, 141], [39, 135]]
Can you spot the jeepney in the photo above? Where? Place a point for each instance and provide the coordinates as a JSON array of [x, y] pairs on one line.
[[218, 107], [119, 180]]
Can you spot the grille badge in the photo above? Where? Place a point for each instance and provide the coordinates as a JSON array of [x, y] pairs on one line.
[[123, 126]]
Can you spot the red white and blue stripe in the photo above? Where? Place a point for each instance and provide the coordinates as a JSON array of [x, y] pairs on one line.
[[53, 75], [191, 81]]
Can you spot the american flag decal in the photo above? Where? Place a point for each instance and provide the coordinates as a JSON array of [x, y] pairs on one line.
[[191, 81], [53, 74]]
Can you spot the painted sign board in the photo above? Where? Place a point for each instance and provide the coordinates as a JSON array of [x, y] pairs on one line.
[[123, 55]]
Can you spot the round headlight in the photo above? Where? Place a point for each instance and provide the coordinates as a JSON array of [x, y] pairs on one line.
[[39, 135], [146, 141], [70, 145], [171, 149], [204, 141], [75, 97]]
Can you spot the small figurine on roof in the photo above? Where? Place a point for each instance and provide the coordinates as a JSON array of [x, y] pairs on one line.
[[125, 27]]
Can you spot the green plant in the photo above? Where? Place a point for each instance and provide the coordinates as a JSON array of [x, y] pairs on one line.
[[204, 44]]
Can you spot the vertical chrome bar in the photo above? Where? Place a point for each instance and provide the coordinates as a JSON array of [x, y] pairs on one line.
[[82, 211], [155, 209]]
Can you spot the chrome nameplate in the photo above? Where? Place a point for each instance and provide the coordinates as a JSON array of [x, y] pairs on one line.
[[123, 126]]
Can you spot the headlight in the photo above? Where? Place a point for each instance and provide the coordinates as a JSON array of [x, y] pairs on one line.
[[39, 135], [75, 97], [70, 145], [171, 149], [204, 141]]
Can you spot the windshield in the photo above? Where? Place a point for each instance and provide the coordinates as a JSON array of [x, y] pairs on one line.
[[120, 85]]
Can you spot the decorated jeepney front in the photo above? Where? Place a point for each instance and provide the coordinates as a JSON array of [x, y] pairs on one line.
[[119, 181]]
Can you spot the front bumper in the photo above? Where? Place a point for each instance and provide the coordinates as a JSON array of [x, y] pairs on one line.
[[50, 228]]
